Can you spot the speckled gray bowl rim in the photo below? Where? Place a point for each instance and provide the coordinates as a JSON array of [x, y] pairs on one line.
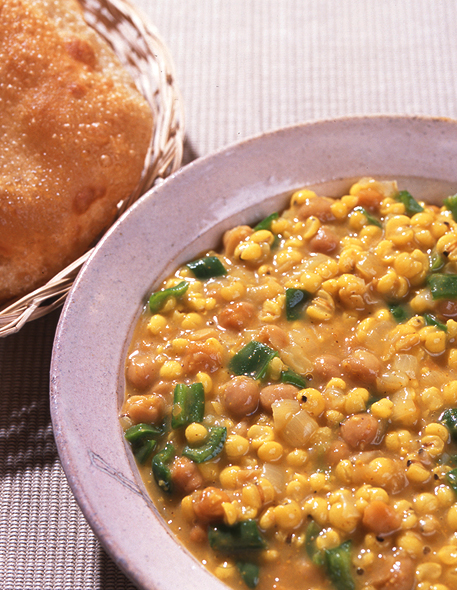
[[173, 223]]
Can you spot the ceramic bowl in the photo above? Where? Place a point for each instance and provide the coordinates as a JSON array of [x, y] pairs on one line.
[[171, 224]]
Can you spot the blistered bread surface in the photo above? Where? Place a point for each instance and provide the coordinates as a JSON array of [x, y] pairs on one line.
[[74, 132]]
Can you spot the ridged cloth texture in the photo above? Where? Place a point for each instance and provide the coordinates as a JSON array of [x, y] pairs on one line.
[[243, 68]]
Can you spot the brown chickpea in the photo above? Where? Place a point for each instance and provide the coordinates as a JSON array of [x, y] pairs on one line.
[[208, 504], [276, 392], [274, 336], [145, 408], [324, 241], [327, 366], [370, 199], [447, 308], [359, 430], [380, 518], [361, 366], [141, 370], [236, 316], [201, 357], [394, 574], [241, 396], [337, 451], [185, 475], [319, 207]]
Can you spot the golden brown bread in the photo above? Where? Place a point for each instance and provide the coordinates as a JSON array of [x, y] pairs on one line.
[[74, 132]]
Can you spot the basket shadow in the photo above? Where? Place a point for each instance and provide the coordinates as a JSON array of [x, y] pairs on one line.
[[110, 576], [26, 437], [189, 152]]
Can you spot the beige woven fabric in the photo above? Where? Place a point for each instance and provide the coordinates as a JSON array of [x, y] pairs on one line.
[[248, 67], [243, 68]]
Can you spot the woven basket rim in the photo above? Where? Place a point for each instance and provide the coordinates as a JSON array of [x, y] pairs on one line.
[[140, 48]]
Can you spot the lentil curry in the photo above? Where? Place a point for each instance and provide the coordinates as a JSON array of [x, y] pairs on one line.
[[292, 399]]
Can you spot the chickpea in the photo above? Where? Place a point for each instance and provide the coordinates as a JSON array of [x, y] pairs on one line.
[[141, 370], [320, 207], [324, 241], [447, 308], [327, 367], [241, 396], [394, 574], [370, 199], [185, 475], [273, 336], [145, 408], [362, 366], [201, 357], [236, 316], [276, 392], [208, 504], [380, 518], [359, 430], [336, 452]]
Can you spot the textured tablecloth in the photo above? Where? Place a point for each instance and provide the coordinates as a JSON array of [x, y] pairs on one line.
[[244, 67]]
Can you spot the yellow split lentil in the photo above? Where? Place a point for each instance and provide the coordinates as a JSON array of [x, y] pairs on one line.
[[291, 399]]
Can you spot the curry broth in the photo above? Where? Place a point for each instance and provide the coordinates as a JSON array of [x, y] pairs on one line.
[[297, 382]]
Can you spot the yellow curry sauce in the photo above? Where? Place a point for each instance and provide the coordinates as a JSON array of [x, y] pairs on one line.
[[292, 399]]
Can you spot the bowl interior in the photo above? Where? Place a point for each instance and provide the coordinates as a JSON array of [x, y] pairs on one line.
[[171, 224]]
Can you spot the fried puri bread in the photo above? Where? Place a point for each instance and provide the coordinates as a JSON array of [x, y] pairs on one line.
[[74, 133]]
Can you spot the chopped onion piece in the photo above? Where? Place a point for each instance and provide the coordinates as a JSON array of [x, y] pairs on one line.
[[276, 475], [391, 381], [283, 410], [376, 335], [295, 425], [405, 412], [299, 429], [406, 363], [434, 378]]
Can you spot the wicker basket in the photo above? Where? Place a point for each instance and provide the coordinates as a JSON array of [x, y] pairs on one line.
[[141, 50]]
